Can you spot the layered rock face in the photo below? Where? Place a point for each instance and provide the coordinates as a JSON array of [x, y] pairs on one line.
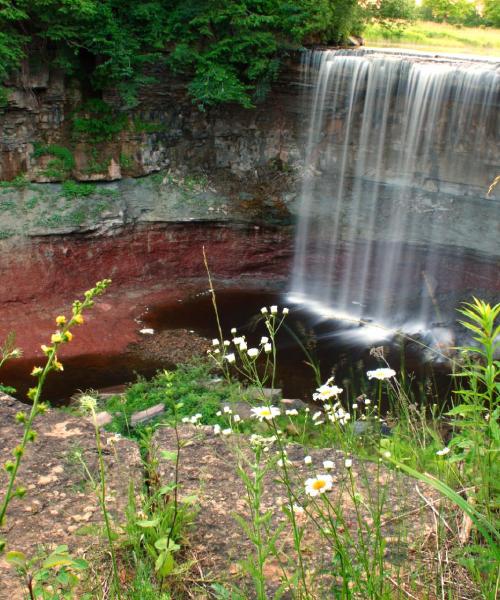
[[165, 130], [227, 179]]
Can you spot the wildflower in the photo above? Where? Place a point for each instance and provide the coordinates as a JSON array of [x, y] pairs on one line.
[[88, 403], [243, 346], [308, 460], [263, 340], [253, 352], [297, 509], [218, 413], [381, 374], [56, 338], [268, 348], [58, 366], [61, 320], [316, 415], [367, 401], [45, 349], [443, 452], [238, 340], [227, 431], [233, 330], [386, 454], [68, 336], [185, 420], [263, 310], [264, 442], [274, 309], [215, 342], [318, 485], [265, 412], [326, 391], [286, 311], [217, 429], [237, 418], [318, 423], [36, 371], [328, 464], [227, 410], [78, 319], [355, 406], [217, 351], [291, 412], [348, 463], [230, 357], [226, 343]]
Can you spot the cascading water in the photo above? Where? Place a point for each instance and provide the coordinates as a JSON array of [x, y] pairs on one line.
[[400, 150]]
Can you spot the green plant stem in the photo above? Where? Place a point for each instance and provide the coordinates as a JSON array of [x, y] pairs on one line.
[[26, 433], [102, 500], [176, 479]]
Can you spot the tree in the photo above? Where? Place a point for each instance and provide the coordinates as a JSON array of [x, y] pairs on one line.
[[231, 49], [492, 12]]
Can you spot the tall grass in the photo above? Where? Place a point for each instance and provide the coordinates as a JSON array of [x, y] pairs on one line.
[[437, 37]]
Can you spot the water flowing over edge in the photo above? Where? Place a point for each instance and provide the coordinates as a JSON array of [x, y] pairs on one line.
[[400, 148]]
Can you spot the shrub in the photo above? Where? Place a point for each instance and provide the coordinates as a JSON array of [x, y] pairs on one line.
[[97, 121], [61, 165]]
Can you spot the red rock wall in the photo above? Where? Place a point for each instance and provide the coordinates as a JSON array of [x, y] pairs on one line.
[[148, 265]]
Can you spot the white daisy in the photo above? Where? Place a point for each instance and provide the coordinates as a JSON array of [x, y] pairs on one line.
[[318, 485]]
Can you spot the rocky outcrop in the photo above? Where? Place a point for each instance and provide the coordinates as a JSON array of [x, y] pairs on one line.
[[146, 235], [165, 130]]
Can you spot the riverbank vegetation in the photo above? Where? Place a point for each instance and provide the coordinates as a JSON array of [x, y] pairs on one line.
[[436, 37], [228, 52], [346, 471]]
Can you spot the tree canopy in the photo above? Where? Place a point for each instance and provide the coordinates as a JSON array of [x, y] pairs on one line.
[[230, 49]]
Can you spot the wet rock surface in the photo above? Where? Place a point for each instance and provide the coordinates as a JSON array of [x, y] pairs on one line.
[[60, 507]]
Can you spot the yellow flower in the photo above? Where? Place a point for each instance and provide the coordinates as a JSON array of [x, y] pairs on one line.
[[58, 366], [36, 371], [45, 349], [55, 338], [68, 336], [61, 320], [78, 319]]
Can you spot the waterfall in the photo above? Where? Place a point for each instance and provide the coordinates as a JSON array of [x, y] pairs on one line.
[[399, 153]]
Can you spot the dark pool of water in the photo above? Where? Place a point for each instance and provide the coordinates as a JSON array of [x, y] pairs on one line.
[[336, 348]]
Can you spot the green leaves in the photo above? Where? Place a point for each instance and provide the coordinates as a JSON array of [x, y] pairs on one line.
[[230, 50]]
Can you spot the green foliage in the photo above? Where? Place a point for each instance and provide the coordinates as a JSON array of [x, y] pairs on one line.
[[492, 12], [7, 389], [393, 15], [4, 96], [62, 163], [431, 36], [126, 161], [188, 384], [51, 576], [73, 189], [456, 12], [96, 121], [230, 50], [20, 182], [476, 415]]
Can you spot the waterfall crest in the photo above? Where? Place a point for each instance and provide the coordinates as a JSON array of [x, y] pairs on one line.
[[399, 152]]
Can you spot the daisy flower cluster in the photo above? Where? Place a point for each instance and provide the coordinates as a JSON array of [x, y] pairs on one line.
[[225, 352], [231, 418], [333, 411]]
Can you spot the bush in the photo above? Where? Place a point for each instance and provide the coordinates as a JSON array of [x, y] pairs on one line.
[[61, 165]]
